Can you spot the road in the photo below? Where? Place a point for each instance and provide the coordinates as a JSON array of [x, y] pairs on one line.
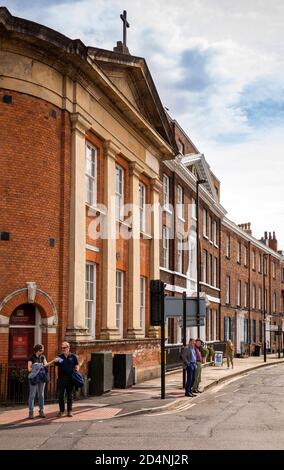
[[246, 413]]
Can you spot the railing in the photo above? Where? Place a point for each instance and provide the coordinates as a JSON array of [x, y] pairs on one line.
[[14, 385], [173, 353]]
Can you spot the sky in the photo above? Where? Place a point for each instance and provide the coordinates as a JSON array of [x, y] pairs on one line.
[[218, 66]]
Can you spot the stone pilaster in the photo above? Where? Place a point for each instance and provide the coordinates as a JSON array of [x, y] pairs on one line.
[[109, 329], [156, 188], [134, 329], [76, 329]]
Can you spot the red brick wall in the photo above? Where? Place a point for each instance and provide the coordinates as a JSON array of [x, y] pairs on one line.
[[35, 198]]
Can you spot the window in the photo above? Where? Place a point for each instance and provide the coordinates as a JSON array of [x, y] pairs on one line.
[[265, 300], [179, 254], [210, 266], [260, 330], [193, 209], [226, 328], [204, 266], [181, 147], [142, 301], [142, 199], [246, 294], [274, 306], [90, 315], [215, 266], [119, 301], [259, 298], [166, 254], [227, 246], [282, 274], [214, 235], [239, 252], [259, 263], [245, 255], [254, 331], [166, 191], [205, 227], [253, 296], [273, 270], [228, 289], [265, 264], [180, 202], [210, 227], [90, 173], [119, 192], [253, 259], [239, 290]]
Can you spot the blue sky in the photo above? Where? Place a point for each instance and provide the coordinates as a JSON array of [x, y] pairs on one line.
[[219, 68]]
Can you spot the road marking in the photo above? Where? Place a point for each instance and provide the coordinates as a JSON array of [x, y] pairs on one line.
[[179, 409], [237, 389]]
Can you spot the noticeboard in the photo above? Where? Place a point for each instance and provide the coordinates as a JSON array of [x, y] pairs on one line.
[[218, 358]]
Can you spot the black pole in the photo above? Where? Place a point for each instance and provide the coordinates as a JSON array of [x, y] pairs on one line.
[[197, 258], [279, 340], [184, 333], [264, 312], [163, 372]]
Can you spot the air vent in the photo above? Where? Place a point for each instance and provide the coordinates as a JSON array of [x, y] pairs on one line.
[[5, 236], [7, 99]]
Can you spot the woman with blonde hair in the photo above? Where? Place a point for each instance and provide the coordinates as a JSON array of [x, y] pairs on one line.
[[230, 353]]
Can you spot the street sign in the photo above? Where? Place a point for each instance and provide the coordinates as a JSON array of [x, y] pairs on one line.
[[190, 323], [174, 307]]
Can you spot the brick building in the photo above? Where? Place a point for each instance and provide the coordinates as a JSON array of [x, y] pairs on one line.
[[82, 134]]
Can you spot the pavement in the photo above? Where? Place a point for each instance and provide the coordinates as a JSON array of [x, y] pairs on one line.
[[140, 399]]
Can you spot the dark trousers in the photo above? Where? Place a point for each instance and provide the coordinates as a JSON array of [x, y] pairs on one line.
[[65, 384], [190, 372]]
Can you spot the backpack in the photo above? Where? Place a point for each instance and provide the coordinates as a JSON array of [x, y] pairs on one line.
[[77, 379]]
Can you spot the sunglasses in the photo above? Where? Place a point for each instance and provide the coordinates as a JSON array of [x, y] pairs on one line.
[[64, 347]]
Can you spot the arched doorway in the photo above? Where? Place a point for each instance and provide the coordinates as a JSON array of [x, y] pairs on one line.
[[24, 332]]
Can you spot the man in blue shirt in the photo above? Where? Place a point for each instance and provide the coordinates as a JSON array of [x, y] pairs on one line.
[[66, 363], [189, 363]]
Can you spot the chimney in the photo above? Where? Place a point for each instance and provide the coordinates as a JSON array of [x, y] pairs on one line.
[[273, 243], [246, 228]]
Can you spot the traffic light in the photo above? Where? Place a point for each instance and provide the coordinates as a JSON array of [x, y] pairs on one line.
[[157, 293]]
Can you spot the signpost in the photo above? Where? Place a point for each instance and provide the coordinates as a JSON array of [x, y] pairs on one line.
[[163, 307]]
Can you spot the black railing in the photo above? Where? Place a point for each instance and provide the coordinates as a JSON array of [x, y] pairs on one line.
[[14, 385], [173, 353]]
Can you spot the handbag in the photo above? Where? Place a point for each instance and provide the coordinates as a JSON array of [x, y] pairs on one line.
[[77, 379]]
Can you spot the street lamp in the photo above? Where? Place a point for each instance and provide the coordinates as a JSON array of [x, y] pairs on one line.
[[198, 182]]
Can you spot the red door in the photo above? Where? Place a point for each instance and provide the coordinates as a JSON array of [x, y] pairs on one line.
[[21, 340]]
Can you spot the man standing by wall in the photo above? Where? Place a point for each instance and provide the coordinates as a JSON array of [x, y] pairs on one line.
[[189, 363]]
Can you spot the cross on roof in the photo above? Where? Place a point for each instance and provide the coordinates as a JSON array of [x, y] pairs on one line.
[[125, 25]]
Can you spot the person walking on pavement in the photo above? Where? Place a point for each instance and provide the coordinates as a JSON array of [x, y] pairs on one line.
[[230, 353], [66, 362], [37, 362], [197, 380], [189, 363]]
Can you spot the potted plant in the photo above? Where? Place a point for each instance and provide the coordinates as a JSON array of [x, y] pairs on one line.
[[204, 354]]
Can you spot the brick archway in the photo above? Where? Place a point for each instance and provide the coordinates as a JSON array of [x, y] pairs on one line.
[[20, 296]]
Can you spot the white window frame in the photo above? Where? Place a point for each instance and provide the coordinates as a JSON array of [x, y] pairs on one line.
[[205, 223], [227, 246], [142, 302], [90, 298], [254, 296], [205, 262], [209, 227], [245, 255], [215, 269], [179, 253], [166, 247], [239, 252], [91, 173], [166, 191], [253, 259], [119, 192], [193, 209], [142, 202], [215, 233], [180, 202], [245, 294], [239, 293], [119, 284], [260, 298], [228, 290], [259, 263]]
